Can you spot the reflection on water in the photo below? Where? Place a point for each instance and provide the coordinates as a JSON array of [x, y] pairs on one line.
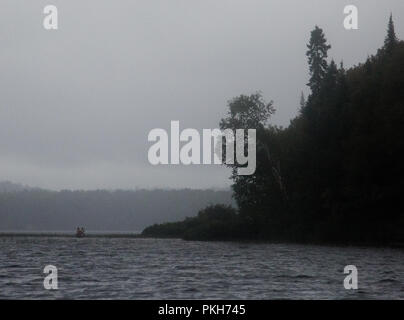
[[109, 268]]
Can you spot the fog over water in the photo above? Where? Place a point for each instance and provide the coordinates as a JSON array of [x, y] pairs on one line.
[[76, 104]]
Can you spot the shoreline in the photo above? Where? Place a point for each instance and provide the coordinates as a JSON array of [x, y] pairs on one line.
[[41, 234], [342, 244]]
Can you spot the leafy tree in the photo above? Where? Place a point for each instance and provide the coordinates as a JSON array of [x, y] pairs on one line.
[[248, 112]]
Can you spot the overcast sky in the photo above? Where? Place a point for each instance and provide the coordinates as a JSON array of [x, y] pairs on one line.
[[77, 104]]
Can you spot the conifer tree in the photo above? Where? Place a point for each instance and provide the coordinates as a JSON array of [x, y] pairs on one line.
[[391, 39], [317, 57]]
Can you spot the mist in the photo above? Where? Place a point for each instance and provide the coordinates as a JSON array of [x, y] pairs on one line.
[[77, 104]]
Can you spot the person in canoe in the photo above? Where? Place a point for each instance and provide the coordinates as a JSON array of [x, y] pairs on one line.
[[80, 232]]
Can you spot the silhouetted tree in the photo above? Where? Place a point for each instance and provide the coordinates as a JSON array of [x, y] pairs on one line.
[[317, 56], [391, 39]]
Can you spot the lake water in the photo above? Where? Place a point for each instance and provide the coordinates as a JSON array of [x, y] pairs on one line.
[[118, 268]]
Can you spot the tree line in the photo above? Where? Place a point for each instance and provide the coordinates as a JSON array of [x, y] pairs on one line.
[[335, 174]]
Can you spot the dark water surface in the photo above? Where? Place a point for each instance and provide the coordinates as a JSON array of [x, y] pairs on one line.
[[109, 268]]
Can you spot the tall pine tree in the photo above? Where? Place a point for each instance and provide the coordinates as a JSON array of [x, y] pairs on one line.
[[317, 58], [391, 39]]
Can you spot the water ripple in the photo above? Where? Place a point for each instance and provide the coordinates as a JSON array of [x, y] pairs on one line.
[[107, 268]]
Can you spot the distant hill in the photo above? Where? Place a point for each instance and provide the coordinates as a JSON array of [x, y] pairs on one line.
[[26, 209], [7, 186]]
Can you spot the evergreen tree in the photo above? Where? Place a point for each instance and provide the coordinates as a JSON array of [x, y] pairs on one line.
[[391, 40], [330, 77], [317, 58]]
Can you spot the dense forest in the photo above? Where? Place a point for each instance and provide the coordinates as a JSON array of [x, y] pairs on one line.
[[335, 174], [31, 209]]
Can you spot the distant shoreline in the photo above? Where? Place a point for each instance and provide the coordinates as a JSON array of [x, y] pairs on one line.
[[134, 235], [66, 234]]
